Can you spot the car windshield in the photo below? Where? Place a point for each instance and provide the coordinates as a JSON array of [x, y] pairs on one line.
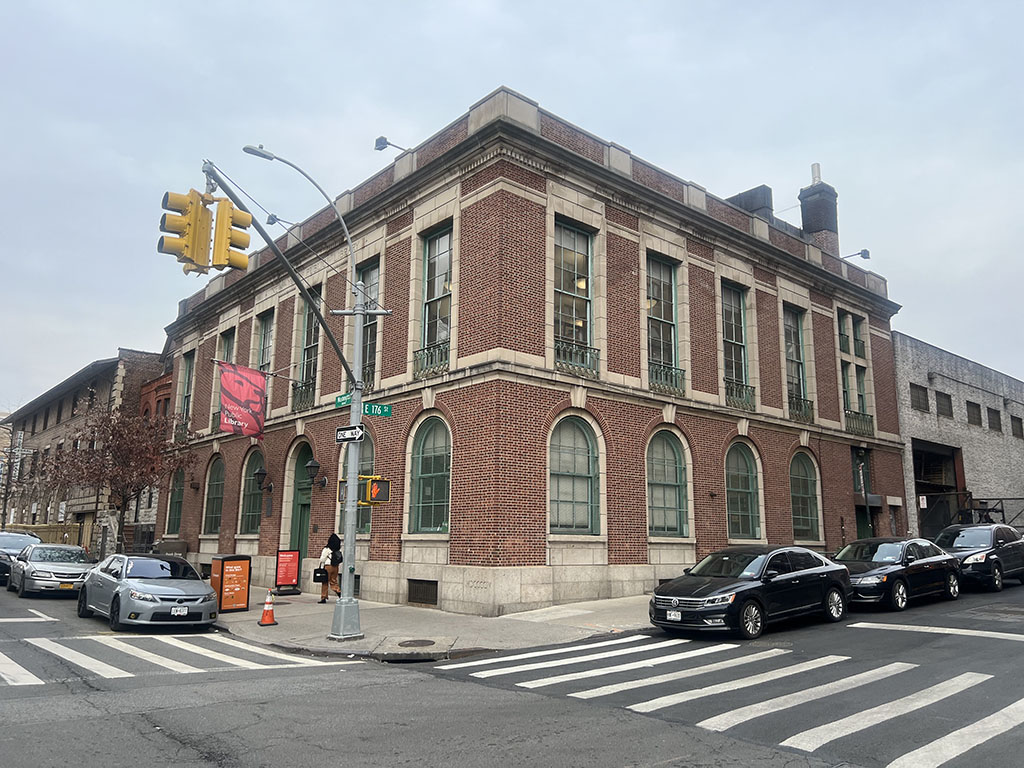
[[872, 552], [16, 541], [965, 538], [58, 555], [736, 565], [149, 568]]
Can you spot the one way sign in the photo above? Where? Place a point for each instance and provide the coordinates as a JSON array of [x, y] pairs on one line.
[[350, 434]]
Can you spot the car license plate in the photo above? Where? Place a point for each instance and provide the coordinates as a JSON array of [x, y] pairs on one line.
[[674, 615], [66, 585], [179, 610]]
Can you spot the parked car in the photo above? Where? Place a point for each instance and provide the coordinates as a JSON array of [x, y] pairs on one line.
[[988, 553], [742, 588], [147, 589], [894, 570], [11, 543], [48, 568]]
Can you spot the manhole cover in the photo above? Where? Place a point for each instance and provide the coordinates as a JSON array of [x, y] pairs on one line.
[[415, 643]]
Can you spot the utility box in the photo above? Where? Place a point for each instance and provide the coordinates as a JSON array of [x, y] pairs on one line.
[[229, 577]]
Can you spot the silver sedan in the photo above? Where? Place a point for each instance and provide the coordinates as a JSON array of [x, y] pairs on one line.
[[147, 589], [48, 568]]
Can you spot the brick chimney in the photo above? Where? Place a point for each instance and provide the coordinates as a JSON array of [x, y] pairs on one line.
[[819, 214]]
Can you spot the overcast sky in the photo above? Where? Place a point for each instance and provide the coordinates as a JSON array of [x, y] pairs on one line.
[[913, 110]]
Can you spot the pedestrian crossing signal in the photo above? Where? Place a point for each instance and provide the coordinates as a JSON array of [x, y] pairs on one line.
[[378, 491]]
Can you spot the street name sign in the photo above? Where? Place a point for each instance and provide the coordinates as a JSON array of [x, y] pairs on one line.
[[342, 400], [350, 434], [376, 409]]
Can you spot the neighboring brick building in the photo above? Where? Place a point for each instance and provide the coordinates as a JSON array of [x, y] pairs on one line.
[[964, 429], [598, 373], [51, 419]]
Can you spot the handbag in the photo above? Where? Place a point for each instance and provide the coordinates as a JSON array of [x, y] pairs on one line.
[[319, 575]]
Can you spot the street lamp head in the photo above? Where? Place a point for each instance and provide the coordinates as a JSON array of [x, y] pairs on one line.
[[382, 143], [864, 254], [259, 151]]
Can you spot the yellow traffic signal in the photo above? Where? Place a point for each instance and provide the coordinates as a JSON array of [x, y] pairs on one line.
[[191, 247], [228, 234]]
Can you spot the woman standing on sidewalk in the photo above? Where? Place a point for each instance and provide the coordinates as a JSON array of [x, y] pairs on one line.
[[330, 560]]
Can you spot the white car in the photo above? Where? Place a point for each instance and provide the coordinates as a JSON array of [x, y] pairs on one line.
[[48, 568]]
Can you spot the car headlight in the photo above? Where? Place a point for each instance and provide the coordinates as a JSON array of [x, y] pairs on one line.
[[719, 599], [143, 596], [978, 558], [868, 580], [33, 574]]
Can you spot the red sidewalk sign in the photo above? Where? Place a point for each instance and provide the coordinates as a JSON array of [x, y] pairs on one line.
[[287, 577]]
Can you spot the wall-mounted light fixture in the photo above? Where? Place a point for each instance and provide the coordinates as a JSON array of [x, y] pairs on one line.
[[260, 476], [313, 469]]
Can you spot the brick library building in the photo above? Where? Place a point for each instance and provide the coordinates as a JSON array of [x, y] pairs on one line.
[[598, 373]]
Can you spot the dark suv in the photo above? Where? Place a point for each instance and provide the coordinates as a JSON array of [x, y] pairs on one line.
[[11, 543], [988, 552]]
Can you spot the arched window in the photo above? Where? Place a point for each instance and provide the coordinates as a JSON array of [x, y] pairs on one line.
[[252, 496], [741, 493], [803, 489], [174, 507], [365, 468], [214, 497], [431, 477], [666, 486], [574, 483]]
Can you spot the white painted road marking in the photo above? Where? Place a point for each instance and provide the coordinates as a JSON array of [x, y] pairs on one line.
[[743, 714], [140, 653], [38, 618], [956, 743], [814, 738], [606, 690], [298, 661], [578, 659], [744, 682], [184, 645], [78, 659], [940, 630], [15, 674], [549, 652], [645, 663]]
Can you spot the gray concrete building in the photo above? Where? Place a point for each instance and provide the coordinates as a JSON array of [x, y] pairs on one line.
[[963, 424]]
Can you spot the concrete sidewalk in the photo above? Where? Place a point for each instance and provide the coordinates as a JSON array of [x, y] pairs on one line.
[[408, 633]]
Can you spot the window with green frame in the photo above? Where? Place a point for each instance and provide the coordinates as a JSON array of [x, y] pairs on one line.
[[734, 333], [661, 312], [265, 340], [572, 284], [366, 455], [574, 481], [174, 506], [370, 277], [214, 497], [431, 477], [437, 290], [741, 493], [252, 497], [666, 486], [792, 321], [803, 490], [310, 339], [188, 363], [844, 372], [862, 397]]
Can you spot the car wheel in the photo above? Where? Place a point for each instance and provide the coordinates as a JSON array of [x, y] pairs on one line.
[[10, 583], [115, 616], [952, 586], [835, 605], [22, 592], [84, 611], [751, 620], [996, 583], [898, 595]]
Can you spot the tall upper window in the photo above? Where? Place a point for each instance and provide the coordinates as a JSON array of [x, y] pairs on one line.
[[666, 486], [437, 293], [792, 322], [741, 493], [214, 497], [264, 340], [174, 506], [572, 285], [370, 277], [862, 397], [366, 456], [661, 320], [431, 477], [227, 346], [733, 334], [310, 339], [252, 496], [574, 478], [844, 371], [803, 490], [188, 363]]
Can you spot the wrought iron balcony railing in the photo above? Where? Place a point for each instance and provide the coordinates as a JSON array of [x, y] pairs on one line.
[[303, 395], [739, 395], [430, 361], [801, 409], [576, 358], [844, 343], [860, 423], [667, 379], [858, 348]]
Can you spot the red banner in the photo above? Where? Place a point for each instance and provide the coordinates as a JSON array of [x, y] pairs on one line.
[[287, 568], [243, 399]]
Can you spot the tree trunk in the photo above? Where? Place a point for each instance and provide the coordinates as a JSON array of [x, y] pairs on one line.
[[120, 525]]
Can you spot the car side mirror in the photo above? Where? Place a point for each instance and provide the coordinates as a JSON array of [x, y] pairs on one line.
[[687, 570], [94, 560], [1000, 542], [909, 559], [769, 575], [22, 559]]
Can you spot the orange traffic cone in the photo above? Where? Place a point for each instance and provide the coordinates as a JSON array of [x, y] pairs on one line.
[[267, 620]]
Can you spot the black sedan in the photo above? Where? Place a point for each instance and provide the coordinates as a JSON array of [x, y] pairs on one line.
[[987, 553], [744, 587], [11, 543], [894, 570]]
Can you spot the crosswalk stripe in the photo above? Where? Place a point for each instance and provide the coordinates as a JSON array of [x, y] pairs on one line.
[[643, 664], [548, 652], [577, 659], [78, 659], [606, 690], [743, 714], [184, 645], [297, 660], [15, 674], [987, 633], [814, 738], [744, 682], [141, 653], [953, 744]]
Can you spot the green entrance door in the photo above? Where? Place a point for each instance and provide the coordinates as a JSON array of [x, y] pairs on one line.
[[864, 530], [301, 502]]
